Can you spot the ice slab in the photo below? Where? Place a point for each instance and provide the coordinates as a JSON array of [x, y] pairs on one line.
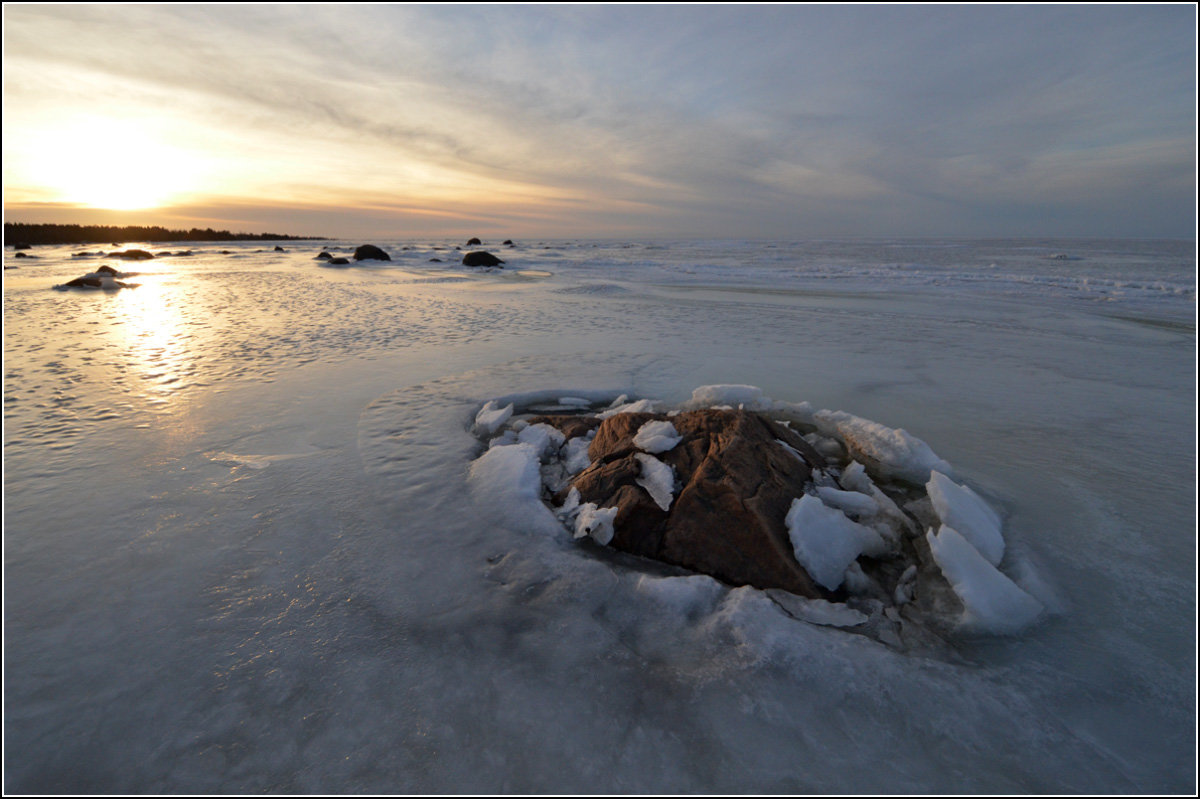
[[961, 509], [993, 603]]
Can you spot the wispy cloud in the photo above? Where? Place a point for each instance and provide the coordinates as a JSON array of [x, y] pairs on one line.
[[771, 120]]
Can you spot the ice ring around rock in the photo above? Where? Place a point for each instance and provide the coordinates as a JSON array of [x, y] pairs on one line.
[[841, 520]]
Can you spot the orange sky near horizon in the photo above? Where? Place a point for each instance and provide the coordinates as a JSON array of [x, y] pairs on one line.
[[603, 121]]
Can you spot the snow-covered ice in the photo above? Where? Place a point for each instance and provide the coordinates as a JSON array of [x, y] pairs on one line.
[[400, 610], [655, 437], [657, 478]]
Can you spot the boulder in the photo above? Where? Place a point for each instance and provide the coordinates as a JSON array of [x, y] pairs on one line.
[[508, 243], [323, 256], [107, 270], [481, 258], [22, 255], [369, 252], [474, 243], [338, 262], [279, 249], [734, 485], [131, 255], [435, 260], [96, 281]]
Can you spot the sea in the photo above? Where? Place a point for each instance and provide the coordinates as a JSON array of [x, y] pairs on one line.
[[242, 553]]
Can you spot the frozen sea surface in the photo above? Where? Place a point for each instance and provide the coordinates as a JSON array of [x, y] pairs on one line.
[[240, 557]]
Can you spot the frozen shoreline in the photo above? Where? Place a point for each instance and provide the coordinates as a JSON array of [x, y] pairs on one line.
[[238, 556]]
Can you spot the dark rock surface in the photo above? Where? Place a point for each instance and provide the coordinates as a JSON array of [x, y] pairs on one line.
[[369, 252], [338, 262], [131, 255], [481, 258], [735, 484], [323, 256], [474, 243]]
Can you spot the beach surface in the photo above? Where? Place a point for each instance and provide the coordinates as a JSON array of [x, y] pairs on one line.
[[241, 552]]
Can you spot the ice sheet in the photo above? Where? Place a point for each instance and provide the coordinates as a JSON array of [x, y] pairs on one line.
[[348, 621]]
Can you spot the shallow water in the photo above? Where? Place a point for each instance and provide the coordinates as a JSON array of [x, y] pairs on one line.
[[240, 553]]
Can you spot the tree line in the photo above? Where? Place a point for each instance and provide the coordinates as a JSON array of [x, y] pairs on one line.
[[24, 233]]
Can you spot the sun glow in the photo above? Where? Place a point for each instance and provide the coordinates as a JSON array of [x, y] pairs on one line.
[[109, 163]]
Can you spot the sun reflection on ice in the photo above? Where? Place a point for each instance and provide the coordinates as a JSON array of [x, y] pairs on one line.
[[156, 341]]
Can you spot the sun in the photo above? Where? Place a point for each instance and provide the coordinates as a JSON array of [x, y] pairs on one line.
[[110, 163]]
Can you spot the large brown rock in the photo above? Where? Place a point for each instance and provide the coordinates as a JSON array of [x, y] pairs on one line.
[[735, 486]]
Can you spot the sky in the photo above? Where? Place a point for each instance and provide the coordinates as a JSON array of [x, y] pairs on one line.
[[616, 121]]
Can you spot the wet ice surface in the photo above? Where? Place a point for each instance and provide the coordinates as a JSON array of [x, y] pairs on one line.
[[239, 555]]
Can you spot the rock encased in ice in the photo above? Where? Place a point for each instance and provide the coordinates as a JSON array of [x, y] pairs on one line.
[[824, 509]]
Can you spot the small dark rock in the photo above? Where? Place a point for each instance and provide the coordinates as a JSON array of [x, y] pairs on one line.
[[338, 262], [508, 243], [279, 249], [323, 256], [22, 255], [435, 260], [162, 254], [131, 255], [369, 252], [481, 258], [107, 270], [474, 243]]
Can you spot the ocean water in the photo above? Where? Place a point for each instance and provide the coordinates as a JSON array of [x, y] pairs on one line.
[[241, 552]]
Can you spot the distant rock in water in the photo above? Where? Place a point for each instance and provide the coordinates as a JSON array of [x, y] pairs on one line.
[[103, 278], [369, 252], [131, 255], [481, 258], [279, 249], [163, 254], [323, 256], [338, 262], [435, 260], [508, 243], [474, 243], [22, 255]]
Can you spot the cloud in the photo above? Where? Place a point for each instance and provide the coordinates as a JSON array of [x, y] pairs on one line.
[[765, 120]]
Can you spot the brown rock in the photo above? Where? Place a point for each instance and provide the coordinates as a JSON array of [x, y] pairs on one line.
[[570, 426], [736, 484]]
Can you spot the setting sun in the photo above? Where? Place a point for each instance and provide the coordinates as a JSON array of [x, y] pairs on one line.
[[109, 163]]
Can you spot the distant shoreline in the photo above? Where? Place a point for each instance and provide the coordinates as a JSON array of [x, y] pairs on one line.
[[25, 233]]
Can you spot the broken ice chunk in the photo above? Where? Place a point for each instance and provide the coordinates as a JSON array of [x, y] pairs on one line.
[[992, 602], [596, 522], [826, 541], [658, 479], [656, 437], [491, 416], [961, 509]]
